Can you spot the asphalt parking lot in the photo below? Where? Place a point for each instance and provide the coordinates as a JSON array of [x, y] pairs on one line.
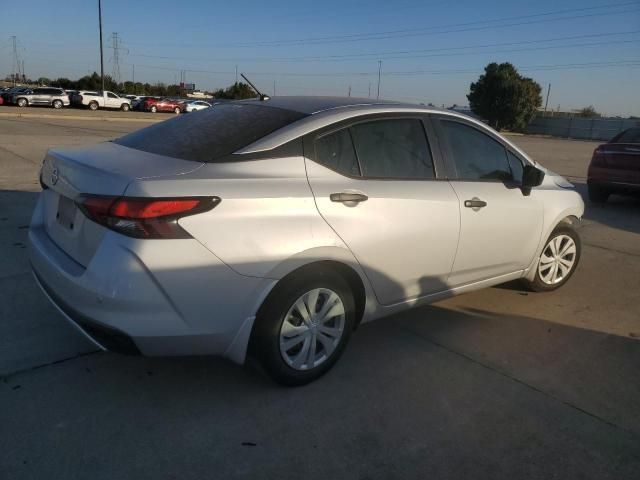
[[500, 383]]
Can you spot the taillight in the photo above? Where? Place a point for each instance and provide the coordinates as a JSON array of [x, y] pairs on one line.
[[144, 217], [598, 159]]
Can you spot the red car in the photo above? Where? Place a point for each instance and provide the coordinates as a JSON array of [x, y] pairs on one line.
[[615, 167], [162, 105]]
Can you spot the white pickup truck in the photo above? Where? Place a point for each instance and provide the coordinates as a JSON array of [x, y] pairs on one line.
[[96, 100]]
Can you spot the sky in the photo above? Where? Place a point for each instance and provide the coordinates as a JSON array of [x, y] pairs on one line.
[[430, 51]]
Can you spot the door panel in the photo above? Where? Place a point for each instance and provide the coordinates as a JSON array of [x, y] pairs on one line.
[[496, 239], [500, 227], [404, 235]]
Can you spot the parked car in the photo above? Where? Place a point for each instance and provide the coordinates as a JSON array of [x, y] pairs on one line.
[[154, 105], [49, 96], [615, 167], [277, 226], [96, 100], [1, 101], [139, 104], [194, 106], [7, 95]]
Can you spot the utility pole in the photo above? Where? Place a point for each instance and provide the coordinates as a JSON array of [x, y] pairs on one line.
[[349, 94], [133, 75], [101, 52], [274, 88], [24, 75], [379, 72], [547, 102], [236, 74], [369, 89]]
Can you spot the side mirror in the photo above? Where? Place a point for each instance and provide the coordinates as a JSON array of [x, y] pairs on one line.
[[531, 177]]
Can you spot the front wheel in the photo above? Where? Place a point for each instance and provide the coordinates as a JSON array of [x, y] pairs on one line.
[[304, 326], [22, 102], [558, 260], [57, 104], [153, 109], [177, 110], [124, 107]]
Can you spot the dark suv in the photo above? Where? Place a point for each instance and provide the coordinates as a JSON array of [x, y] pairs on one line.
[[53, 97]]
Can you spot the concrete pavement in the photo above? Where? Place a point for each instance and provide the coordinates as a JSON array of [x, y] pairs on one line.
[[499, 383]]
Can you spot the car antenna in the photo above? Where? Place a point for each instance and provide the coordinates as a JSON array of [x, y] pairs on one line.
[[262, 96]]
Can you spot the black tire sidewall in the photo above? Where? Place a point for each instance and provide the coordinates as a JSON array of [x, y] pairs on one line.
[[538, 285], [265, 339]]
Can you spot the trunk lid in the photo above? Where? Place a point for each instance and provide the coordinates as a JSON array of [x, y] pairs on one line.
[[104, 169]]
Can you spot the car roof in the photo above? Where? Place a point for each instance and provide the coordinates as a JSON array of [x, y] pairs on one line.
[[311, 105]]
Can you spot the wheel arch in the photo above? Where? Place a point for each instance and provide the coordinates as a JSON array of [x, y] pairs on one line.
[[351, 272], [569, 217]]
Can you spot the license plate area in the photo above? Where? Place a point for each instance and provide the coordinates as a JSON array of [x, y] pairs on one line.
[[66, 212]]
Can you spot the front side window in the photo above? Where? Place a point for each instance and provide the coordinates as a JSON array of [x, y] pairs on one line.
[[394, 148], [476, 155], [336, 152], [112, 95], [517, 167]]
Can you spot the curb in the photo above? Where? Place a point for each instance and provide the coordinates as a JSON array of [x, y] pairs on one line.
[[79, 117]]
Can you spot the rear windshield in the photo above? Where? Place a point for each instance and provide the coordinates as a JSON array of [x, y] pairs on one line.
[[212, 134], [628, 136]]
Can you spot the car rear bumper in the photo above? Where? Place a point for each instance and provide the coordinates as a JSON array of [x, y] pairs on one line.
[[615, 186], [157, 297]]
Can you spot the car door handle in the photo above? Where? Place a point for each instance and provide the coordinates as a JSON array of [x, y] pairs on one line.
[[475, 203], [348, 197]]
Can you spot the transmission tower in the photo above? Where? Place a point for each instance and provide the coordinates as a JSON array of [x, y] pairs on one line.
[[115, 45], [16, 60]]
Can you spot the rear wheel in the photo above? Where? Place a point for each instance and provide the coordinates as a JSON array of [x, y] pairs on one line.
[[153, 109], [57, 104], [124, 107], [558, 260], [177, 110], [93, 106], [598, 194], [304, 326], [22, 102]]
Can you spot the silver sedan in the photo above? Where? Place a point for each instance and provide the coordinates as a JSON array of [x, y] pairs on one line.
[[274, 227]]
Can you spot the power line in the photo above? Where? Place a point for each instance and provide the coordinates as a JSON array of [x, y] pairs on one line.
[[407, 54], [456, 27]]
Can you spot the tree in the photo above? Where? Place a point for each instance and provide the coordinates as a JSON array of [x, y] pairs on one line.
[[237, 91], [44, 81], [588, 112], [506, 99]]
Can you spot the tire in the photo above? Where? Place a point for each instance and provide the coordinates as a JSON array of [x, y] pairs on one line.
[[153, 109], [598, 194], [177, 110], [93, 106], [57, 104], [546, 278], [22, 102], [280, 313], [125, 107]]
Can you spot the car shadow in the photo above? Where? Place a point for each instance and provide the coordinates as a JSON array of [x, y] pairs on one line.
[[621, 212]]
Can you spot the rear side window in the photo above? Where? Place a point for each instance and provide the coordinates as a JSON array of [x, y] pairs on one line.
[[395, 148], [476, 155], [212, 134], [628, 136], [335, 151]]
